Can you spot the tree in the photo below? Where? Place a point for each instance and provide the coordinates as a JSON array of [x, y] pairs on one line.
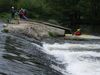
[[5, 5]]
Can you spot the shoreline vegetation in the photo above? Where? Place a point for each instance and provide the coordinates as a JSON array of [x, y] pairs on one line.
[[4, 16]]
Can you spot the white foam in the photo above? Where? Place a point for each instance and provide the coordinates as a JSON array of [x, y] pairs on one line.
[[77, 62], [90, 37], [67, 46]]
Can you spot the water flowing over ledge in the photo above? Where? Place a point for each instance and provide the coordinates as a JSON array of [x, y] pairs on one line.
[[20, 56], [56, 56], [80, 58]]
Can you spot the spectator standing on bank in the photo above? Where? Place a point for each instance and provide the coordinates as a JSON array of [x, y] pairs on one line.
[[13, 12]]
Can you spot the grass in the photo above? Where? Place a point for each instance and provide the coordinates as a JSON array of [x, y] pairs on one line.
[[51, 34], [4, 16]]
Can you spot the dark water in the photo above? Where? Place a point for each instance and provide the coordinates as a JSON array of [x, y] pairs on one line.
[[19, 56]]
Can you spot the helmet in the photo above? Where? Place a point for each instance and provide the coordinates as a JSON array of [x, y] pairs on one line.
[[78, 29], [12, 7]]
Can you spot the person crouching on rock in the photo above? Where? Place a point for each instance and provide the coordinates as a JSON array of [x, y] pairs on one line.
[[78, 32], [22, 14]]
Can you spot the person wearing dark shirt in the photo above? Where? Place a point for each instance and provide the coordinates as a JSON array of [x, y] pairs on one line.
[[12, 12]]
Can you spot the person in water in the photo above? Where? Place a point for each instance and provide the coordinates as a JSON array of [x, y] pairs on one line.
[[78, 32]]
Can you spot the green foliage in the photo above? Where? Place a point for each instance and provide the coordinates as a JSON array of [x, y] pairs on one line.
[[5, 16], [5, 5], [63, 11], [52, 34], [5, 30]]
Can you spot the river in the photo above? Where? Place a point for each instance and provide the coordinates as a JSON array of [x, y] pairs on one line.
[[19, 56]]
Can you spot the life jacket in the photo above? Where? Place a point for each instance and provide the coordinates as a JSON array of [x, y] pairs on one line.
[[21, 12], [77, 33]]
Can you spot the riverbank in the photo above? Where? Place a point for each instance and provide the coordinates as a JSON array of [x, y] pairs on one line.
[[41, 32], [33, 29]]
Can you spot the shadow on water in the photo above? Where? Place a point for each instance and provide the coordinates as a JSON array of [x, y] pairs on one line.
[[22, 57]]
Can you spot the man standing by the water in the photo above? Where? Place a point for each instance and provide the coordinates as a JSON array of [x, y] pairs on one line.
[[12, 12]]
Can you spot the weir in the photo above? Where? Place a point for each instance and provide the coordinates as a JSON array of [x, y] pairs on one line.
[[67, 30]]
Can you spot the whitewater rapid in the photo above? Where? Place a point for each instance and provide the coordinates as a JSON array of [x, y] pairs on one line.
[[78, 58]]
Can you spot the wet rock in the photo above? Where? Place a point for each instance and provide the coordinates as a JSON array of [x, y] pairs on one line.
[[34, 29]]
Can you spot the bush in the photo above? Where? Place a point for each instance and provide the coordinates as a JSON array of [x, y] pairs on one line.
[[51, 34], [5, 16], [5, 30]]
